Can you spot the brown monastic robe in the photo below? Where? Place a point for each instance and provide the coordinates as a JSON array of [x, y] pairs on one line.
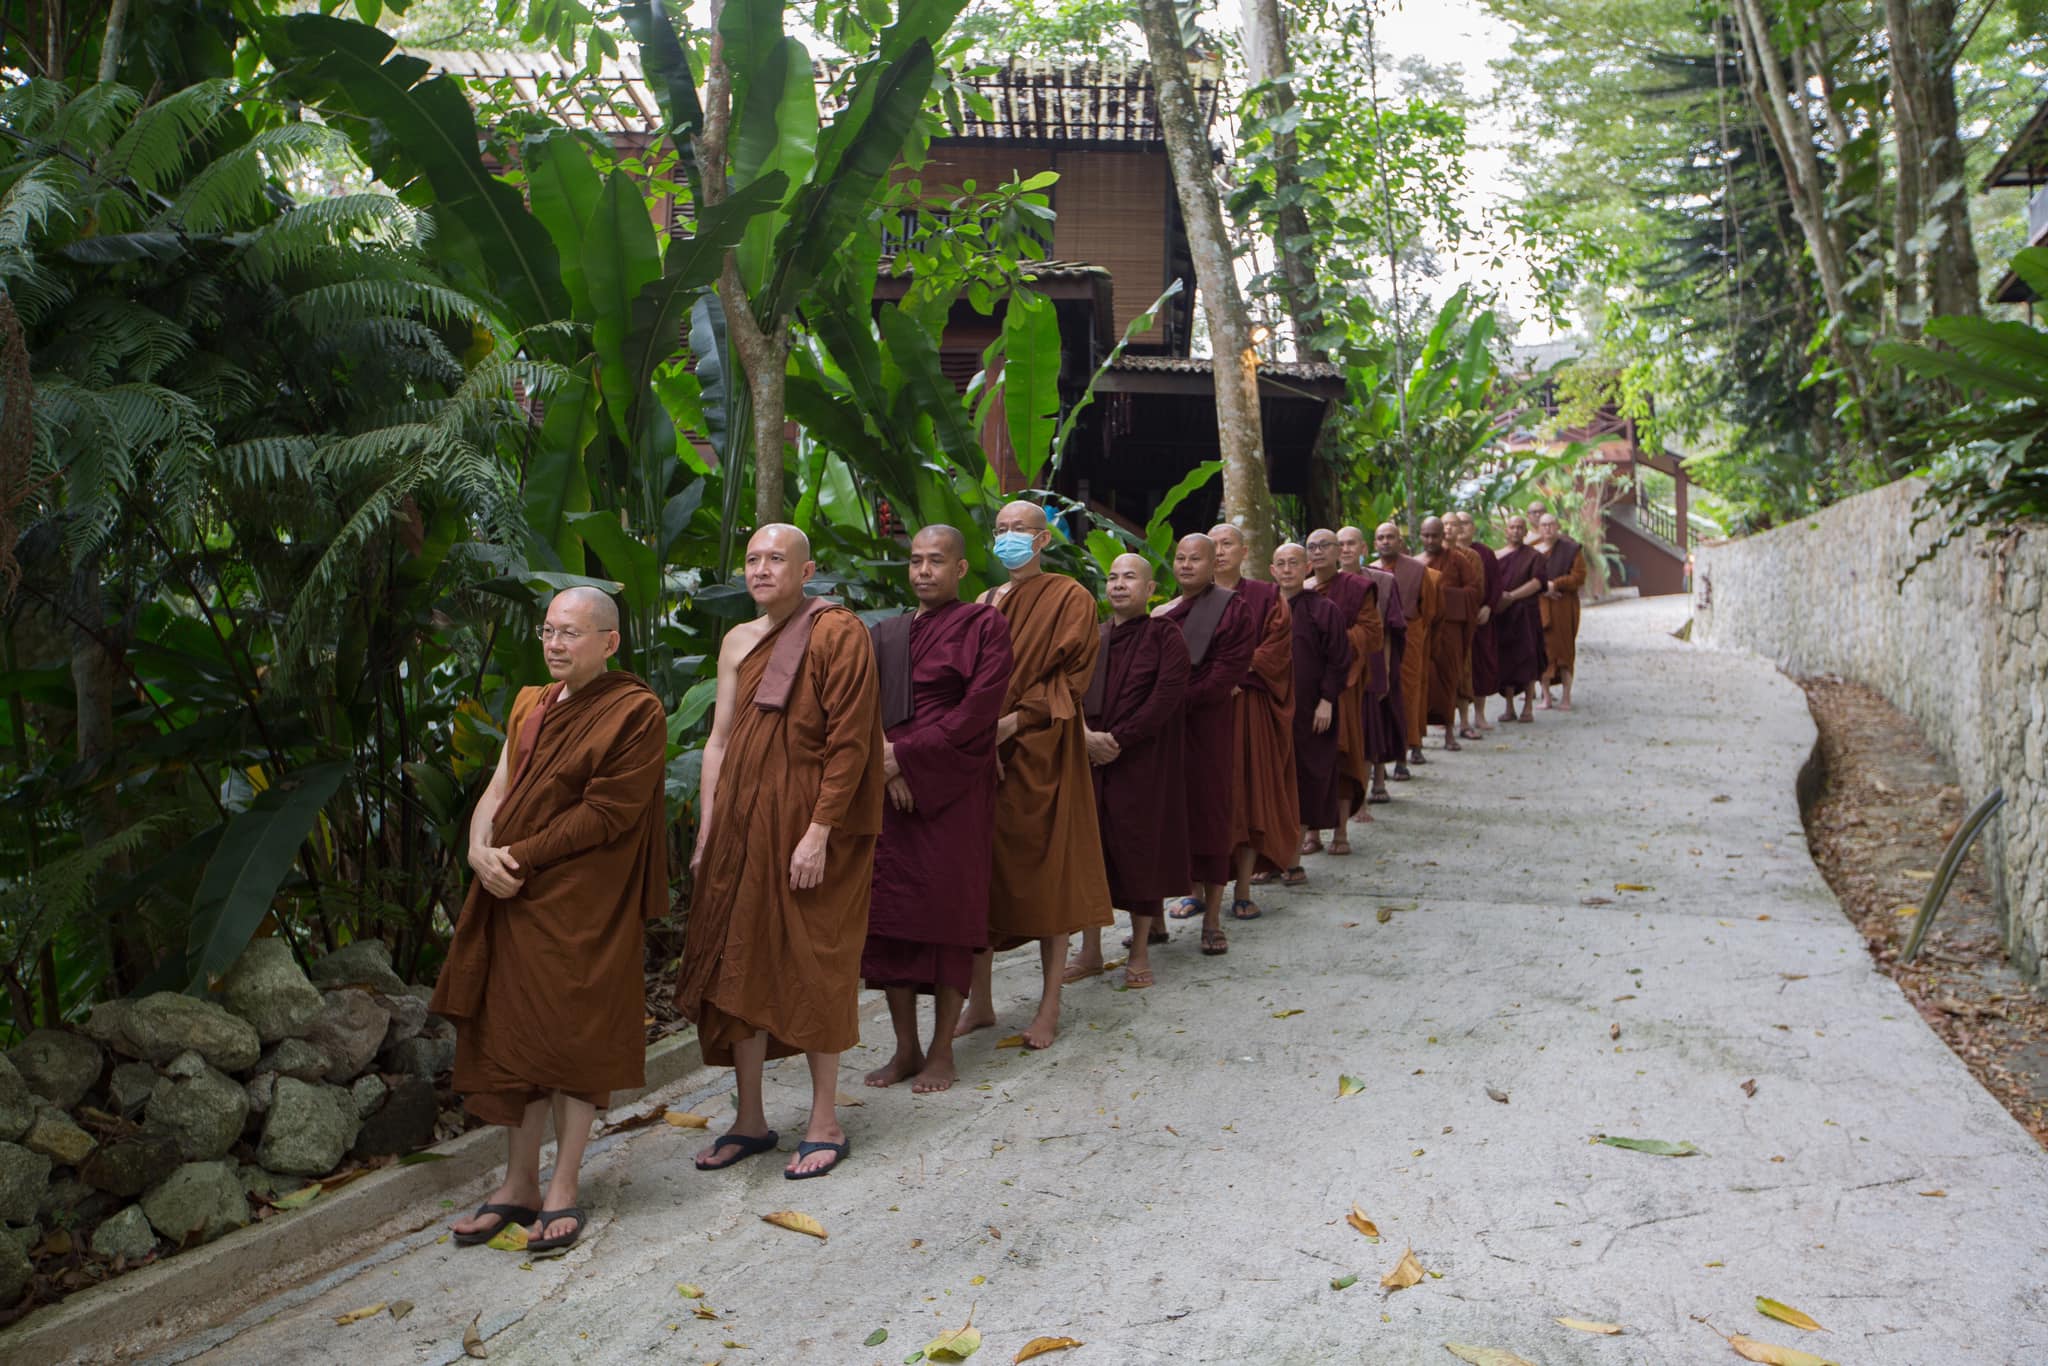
[[1482, 678], [1048, 879], [759, 956], [1518, 625], [1141, 797], [1321, 650], [947, 671], [1353, 598], [1450, 640], [1266, 813], [1565, 567], [1218, 665], [1386, 712], [1421, 602], [583, 817]]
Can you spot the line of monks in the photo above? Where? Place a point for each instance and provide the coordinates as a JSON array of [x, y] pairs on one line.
[[898, 804]]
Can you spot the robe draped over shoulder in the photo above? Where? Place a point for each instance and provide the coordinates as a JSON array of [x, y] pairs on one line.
[[1482, 679], [930, 906], [1322, 662], [1141, 797], [1266, 811], [584, 819], [1518, 629], [1450, 643], [1048, 877], [1211, 725], [1421, 601], [758, 955], [1386, 713], [1565, 569], [1354, 598]]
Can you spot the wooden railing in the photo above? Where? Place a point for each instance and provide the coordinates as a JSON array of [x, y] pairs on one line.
[[1656, 518]]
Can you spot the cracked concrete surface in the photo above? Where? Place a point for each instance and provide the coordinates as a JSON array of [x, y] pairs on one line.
[[1169, 1182]]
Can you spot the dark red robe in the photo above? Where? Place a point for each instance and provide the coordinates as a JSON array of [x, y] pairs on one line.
[[1322, 660], [950, 668], [1140, 684], [1386, 715], [1485, 666], [1263, 813], [1518, 627], [1212, 726], [1352, 594]]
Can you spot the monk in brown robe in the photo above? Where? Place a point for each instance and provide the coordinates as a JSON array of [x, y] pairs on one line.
[[1354, 598], [1518, 629], [1564, 566], [1352, 550], [942, 672], [1386, 713], [1136, 741], [544, 975], [1480, 676], [791, 803], [1421, 603], [1221, 634], [1320, 650], [1450, 648], [1048, 879], [1265, 814]]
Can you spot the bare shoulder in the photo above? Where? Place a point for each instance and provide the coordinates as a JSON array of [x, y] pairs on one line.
[[740, 639]]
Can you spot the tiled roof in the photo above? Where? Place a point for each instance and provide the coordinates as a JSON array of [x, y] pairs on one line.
[[1202, 365], [617, 99]]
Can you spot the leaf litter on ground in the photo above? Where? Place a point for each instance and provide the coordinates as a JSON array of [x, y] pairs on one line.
[[1406, 1272], [1660, 1147], [1592, 1326], [957, 1345], [1486, 1356], [358, 1315], [1356, 1218], [796, 1222], [1785, 1313], [1038, 1347], [1348, 1085]]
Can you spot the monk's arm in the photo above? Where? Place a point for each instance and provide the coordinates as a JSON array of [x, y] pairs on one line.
[[627, 781], [851, 697], [1071, 663], [487, 805], [1229, 655], [1373, 629], [931, 751], [1168, 695], [1273, 660], [1574, 578], [721, 732]]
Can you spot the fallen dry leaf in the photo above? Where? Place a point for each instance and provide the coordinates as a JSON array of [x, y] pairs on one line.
[[1288, 1014], [1785, 1313], [1486, 1356], [1935, 1195], [1499, 1097], [510, 1238], [1920, 874], [705, 1311], [358, 1315], [1348, 1085], [1385, 914], [688, 1291], [473, 1341], [842, 1099], [1614, 1030], [1770, 1354], [957, 1345], [1038, 1347], [1633, 887], [1596, 901], [300, 1198], [1406, 1272], [795, 1222], [1364, 1225], [1749, 1088], [400, 1308], [1660, 1147], [1013, 1041], [1592, 1326], [631, 1122], [683, 1119]]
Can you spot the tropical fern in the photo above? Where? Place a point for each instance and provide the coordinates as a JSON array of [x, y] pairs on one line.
[[235, 188]]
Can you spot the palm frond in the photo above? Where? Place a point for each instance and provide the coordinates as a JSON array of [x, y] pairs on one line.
[[229, 192]]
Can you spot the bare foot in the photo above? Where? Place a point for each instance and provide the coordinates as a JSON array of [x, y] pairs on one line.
[[938, 1075], [1564, 706], [1043, 1029], [558, 1197], [971, 1020], [1083, 965], [899, 1068], [525, 1197]]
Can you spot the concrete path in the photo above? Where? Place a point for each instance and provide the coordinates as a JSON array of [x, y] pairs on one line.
[[1169, 1183]]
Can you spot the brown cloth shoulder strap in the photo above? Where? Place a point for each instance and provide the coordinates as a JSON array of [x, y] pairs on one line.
[[892, 668], [1198, 627], [794, 638], [529, 731], [1098, 682]]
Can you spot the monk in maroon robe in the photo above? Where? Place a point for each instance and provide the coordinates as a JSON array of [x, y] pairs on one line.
[[1352, 596], [1482, 681], [1518, 628], [942, 672], [1136, 741], [1322, 665], [1221, 635], [1265, 818], [1450, 645], [1386, 741]]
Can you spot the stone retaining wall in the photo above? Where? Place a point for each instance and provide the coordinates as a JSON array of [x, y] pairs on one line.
[[1962, 649]]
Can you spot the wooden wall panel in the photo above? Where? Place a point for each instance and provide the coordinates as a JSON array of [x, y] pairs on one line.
[[1112, 208]]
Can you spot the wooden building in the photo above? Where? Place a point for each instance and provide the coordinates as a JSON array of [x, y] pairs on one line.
[[2025, 164]]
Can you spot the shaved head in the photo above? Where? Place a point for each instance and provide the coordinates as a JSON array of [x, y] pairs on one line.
[[1386, 539], [1027, 515], [580, 635], [592, 607], [1194, 563], [1231, 549], [778, 565], [1350, 546], [1432, 534], [1129, 585], [943, 538], [1290, 566], [938, 561], [791, 539]]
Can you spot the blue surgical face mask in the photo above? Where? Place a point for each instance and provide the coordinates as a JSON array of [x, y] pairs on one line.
[[1015, 548]]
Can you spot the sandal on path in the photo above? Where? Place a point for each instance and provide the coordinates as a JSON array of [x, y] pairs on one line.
[[1238, 910], [1313, 844], [1379, 797], [1137, 979], [507, 1214], [1468, 733], [748, 1145], [1293, 877], [1263, 877], [1158, 936], [564, 1241], [1215, 943], [1185, 908], [804, 1150], [1400, 773], [1339, 848], [1076, 971], [1452, 745]]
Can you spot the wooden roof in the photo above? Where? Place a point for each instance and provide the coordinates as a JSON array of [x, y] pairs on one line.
[[2026, 161]]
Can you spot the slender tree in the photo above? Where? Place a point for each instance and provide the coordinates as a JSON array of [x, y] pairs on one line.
[[1266, 63]]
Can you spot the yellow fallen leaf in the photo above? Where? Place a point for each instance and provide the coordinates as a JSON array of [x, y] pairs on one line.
[[1038, 1347], [1903, 911], [300, 1198], [1785, 1313], [1014, 1041], [977, 1280], [1749, 1349], [1920, 874], [1591, 1326], [511, 1238], [473, 1341], [705, 1311], [683, 1119], [358, 1315], [1933, 1195], [1633, 887], [1406, 1272], [795, 1222], [1384, 914], [688, 1291], [1486, 1356], [843, 1099], [1348, 1085], [1286, 1014], [1364, 1225], [400, 1308], [958, 1345]]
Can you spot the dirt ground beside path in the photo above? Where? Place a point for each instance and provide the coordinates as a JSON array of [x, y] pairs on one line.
[[1887, 808]]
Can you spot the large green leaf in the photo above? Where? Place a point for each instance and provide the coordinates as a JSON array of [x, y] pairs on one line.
[[915, 351], [625, 556], [620, 258], [556, 486], [668, 73], [777, 135], [1031, 379], [563, 187], [747, 32], [1162, 516], [1998, 377], [420, 137], [249, 864]]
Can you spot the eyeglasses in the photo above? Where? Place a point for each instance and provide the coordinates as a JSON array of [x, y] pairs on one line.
[[552, 633]]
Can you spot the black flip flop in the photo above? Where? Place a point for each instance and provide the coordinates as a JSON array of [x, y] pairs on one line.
[[1158, 936], [748, 1146], [507, 1215], [566, 1240], [804, 1150]]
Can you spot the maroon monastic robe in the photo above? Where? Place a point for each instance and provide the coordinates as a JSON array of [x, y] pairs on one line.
[[1518, 628], [1322, 660], [949, 669], [1351, 595], [1217, 666], [1137, 695], [1484, 680], [1386, 713]]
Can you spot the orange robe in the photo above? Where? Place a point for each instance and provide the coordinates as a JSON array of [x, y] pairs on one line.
[[1422, 620], [1267, 812], [757, 955], [1048, 880], [1565, 567], [583, 816], [1366, 633], [1450, 645]]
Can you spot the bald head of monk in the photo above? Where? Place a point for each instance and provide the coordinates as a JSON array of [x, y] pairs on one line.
[[938, 561], [1459, 527], [1517, 529], [1231, 549], [1386, 539], [1290, 567], [1537, 508], [1129, 586], [1433, 535], [1548, 528], [1194, 564], [1022, 535], [778, 566], [1322, 554], [580, 635], [1350, 548]]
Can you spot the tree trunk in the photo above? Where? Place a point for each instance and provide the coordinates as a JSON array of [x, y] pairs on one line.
[[92, 689], [1909, 148], [115, 39], [1247, 497], [1265, 58], [1924, 96]]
